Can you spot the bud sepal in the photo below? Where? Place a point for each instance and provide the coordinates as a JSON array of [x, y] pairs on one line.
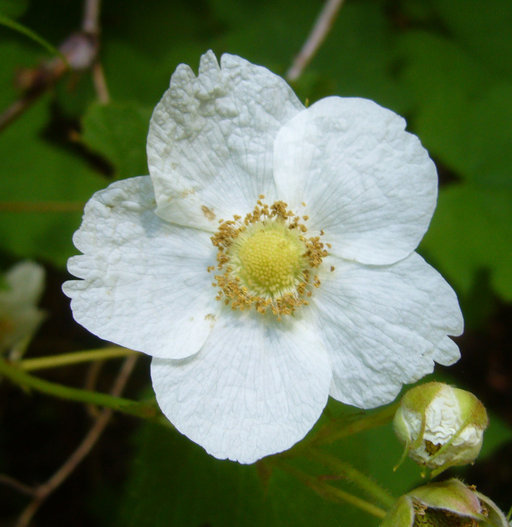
[[443, 504]]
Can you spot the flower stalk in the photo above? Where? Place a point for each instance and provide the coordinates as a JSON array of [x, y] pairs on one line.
[[76, 357], [332, 493], [350, 473], [145, 410]]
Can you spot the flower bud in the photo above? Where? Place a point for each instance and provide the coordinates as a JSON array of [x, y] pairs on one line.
[[444, 504], [440, 426]]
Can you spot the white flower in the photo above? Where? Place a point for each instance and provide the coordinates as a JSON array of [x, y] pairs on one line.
[[19, 315], [318, 293]]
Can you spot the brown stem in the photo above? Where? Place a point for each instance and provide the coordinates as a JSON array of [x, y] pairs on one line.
[[90, 23], [318, 34], [16, 485], [100, 83], [46, 489]]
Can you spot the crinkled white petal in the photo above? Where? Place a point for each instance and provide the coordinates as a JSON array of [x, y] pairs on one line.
[[144, 283], [255, 388], [210, 141], [366, 182], [446, 352], [382, 326]]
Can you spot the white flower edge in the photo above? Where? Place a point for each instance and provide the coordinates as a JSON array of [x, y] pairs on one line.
[[253, 389], [143, 282], [365, 180], [384, 326], [211, 136]]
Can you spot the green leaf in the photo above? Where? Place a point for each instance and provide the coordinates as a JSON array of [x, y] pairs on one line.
[[488, 131], [481, 27], [496, 436], [118, 131], [356, 59], [471, 230], [174, 482], [463, 115], [444, 81], [36, 171]]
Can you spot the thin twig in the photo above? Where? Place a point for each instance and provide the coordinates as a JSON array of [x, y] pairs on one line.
[[100, 83], [79, 52], [90, 23], [332, 493], [144, 409], [91, 379], [16, 485], [320, 30], [45, 490], [74, 357]]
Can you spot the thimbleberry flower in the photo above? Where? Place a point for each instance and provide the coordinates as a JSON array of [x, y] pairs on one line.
[[268, 261]]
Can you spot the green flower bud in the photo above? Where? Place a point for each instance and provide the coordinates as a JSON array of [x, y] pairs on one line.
[[446, 504], [441, 426]]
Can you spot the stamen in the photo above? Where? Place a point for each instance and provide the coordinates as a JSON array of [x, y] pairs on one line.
[[266, 261]]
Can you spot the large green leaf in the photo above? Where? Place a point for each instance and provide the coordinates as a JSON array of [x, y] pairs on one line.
[[444, 81], [482, 28], [35, 171], [35, 168], [174, 482], [118, 132], [471, 230]]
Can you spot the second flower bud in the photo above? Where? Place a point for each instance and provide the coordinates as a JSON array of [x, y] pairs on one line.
[[441, 426]]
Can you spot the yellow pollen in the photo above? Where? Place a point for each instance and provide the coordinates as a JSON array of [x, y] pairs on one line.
[[265, 260]]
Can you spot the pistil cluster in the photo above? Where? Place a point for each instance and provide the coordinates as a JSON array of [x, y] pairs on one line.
[[266, 261]]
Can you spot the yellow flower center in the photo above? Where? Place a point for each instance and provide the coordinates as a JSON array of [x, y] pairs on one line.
[[267, 261], [270, 259]]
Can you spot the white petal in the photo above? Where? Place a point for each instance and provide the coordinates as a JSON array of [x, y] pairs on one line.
[[384, 326], [19, 315], [366, 182], [145, 284], [254, 389], [446, 352], [210, 141], [25, 284]]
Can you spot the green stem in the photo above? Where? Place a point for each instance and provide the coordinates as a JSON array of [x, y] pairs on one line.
[[76, 357], [146, 410], [333, 493], [350, 473]]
